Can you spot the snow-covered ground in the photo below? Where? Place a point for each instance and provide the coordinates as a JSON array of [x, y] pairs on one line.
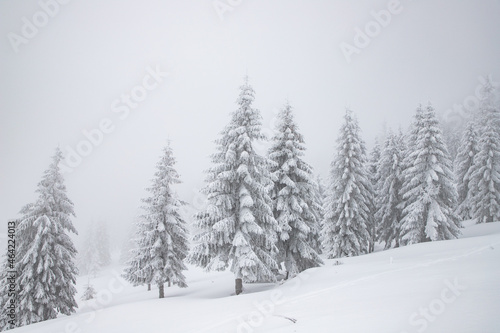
[[447, 286]]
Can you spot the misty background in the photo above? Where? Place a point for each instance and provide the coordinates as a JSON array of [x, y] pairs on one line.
[[65, 78]]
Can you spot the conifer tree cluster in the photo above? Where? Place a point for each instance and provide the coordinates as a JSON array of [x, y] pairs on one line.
[[268, 214], [262, 210], [479, 166]]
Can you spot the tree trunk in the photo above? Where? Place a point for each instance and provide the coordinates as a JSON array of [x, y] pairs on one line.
[[169, 284], [161, 289], [238, 286], [149, 286]]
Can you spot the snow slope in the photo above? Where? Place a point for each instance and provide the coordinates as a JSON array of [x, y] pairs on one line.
[[447, 286]]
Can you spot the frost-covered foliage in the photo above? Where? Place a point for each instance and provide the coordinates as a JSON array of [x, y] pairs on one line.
[[463, 170], [388, 198], [295, 198], [484, 186], [238, 229], [45, 251], [162, 240], [348, 205], [428, 192]]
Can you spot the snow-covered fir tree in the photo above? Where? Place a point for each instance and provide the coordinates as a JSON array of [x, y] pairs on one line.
[[46, 253], [453, 128], [428, 192], [163, 231], [295, 202], [137, 271], [89, 260], [389, 213], [89, 292], [321, 193], [348, 205], [463, 170], [373, 174], [484, 186], [103, 244], [238, 229]]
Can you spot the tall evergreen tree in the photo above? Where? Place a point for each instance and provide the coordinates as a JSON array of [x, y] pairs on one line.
[[389, 213], [295, 202], [428, 192], [238, 229], [374, 176], [463, 170], [164, 231], [46, 253], [348, 205], [484, 186], [90, 261], [103, 245]]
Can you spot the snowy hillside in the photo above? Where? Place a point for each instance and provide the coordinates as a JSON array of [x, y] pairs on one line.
[[446, 286]]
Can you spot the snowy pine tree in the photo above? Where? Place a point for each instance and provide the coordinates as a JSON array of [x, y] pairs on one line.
[[163, 234], [46, 261], [373, 174], [137, 270], [90, 261], [348, 205], [321, 193], [428, 192], [103, 245], [463, 170], [89, 292], [295, 202], [238, 229], [389, 213], [484, 186]]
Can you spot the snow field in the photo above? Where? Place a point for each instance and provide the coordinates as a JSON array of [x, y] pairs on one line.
[[445, 286]]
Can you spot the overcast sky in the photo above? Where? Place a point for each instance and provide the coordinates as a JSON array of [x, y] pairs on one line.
[[71, 73]]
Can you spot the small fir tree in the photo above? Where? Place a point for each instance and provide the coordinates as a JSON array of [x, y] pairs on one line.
[[162, 241]]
